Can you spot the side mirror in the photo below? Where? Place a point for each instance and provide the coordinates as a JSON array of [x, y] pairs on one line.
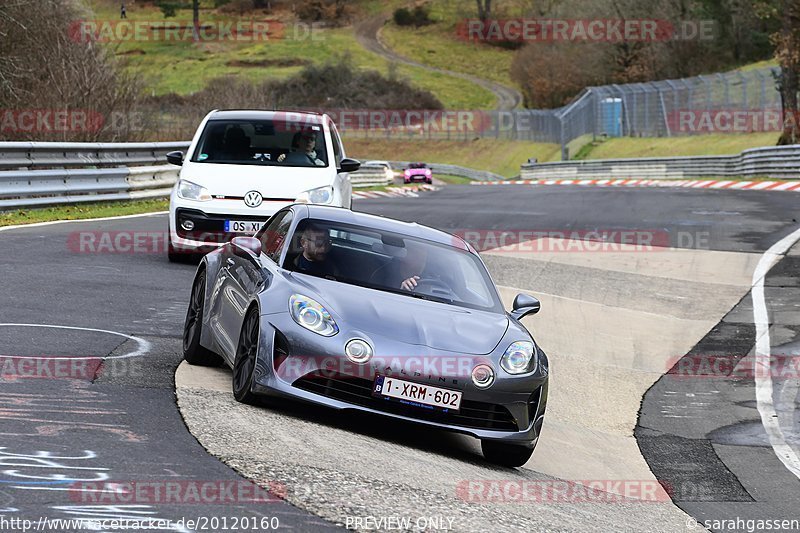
[[175, 158], [245, 246], [525, 305], [349, 165]]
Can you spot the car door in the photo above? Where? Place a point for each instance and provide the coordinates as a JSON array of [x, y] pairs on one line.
[[244, 277]]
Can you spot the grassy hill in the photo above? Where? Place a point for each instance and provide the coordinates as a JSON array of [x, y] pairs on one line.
[[183, 67]]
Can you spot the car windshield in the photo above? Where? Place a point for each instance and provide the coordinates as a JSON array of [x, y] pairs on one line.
[[389, 262], [262, 142], [417, 165]]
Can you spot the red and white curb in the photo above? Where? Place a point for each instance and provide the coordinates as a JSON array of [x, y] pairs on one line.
[[394, 192], [691, 184]]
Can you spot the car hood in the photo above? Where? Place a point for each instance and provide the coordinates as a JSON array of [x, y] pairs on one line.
[[416, 171], [271, 182], [405, 319]]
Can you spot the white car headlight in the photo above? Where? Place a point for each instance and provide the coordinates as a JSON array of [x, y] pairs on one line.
[[192, 191], [312, 315], [320, 195], [520, 358]]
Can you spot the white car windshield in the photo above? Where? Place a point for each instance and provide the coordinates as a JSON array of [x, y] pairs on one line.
[[262, 142]]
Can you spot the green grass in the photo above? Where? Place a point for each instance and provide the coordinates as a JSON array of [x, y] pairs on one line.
[[436, 45], [714, 144], [82, 211], [498, 156], [182, 67]]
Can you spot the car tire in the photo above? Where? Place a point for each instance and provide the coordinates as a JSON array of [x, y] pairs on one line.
[[429, 182], [173, 255], [193, 352], [506, 454], [244, 363]]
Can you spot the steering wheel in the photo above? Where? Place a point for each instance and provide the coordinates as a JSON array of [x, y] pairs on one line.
[[436, 287]]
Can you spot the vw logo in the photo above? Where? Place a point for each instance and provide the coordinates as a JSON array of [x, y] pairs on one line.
[[253, 199]]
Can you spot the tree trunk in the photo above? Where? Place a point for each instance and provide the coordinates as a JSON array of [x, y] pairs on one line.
[[484, 9], [788, 55], [196, 20]]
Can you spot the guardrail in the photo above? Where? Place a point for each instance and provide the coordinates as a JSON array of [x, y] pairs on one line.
[[772, 162], [43, 173]]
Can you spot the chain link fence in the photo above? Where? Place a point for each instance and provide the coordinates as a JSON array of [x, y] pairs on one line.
[[735, 102]]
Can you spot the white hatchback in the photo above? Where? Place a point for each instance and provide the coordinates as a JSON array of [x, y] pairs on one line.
[[243, 166]]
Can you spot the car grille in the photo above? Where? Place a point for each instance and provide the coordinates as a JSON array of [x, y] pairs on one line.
[[358, 391]]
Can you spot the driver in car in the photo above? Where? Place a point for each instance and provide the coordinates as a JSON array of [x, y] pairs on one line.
[[316, 243], [303, 150], [405, 273]]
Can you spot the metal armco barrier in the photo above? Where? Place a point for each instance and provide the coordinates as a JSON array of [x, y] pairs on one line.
[[770, 162], [32, 155], [44, 173]]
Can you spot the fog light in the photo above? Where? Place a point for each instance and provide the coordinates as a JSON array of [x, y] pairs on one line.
[[188, 225], [358, 351], [483, 376]]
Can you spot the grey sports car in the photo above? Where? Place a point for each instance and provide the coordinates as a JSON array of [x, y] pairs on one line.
[[355, 311]]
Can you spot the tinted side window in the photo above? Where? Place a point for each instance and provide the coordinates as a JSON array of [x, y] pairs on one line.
[[273, 236]]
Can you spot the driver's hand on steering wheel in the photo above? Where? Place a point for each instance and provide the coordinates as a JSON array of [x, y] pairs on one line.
[[410, 283]]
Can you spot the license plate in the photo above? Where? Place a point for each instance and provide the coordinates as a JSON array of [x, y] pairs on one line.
[[242, 226], [417, 393]]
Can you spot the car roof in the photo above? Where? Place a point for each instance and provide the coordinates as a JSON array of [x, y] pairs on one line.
[[412, 229], [249, 114]]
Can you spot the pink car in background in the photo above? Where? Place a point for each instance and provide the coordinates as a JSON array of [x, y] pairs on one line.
[[417, 172]]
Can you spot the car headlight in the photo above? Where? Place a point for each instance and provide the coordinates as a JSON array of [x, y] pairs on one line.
[[320, 195], [192, 191], [520, 358], [312, 315]]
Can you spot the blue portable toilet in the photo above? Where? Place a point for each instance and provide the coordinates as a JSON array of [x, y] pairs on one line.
[[611, 113]]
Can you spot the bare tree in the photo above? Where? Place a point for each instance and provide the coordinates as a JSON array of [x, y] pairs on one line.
[[45, 67], [484, 9], [787, 52], [196, 20]]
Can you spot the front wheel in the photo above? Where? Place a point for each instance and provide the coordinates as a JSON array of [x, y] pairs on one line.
[[506, 454], [244, 364]]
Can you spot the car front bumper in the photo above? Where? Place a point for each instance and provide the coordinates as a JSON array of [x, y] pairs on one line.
[[511, 410]]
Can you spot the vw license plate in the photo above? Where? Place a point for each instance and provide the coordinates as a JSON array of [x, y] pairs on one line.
[[242, 226], [410, 392]]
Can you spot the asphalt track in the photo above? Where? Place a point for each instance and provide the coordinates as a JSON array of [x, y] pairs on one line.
[[120, 421]]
